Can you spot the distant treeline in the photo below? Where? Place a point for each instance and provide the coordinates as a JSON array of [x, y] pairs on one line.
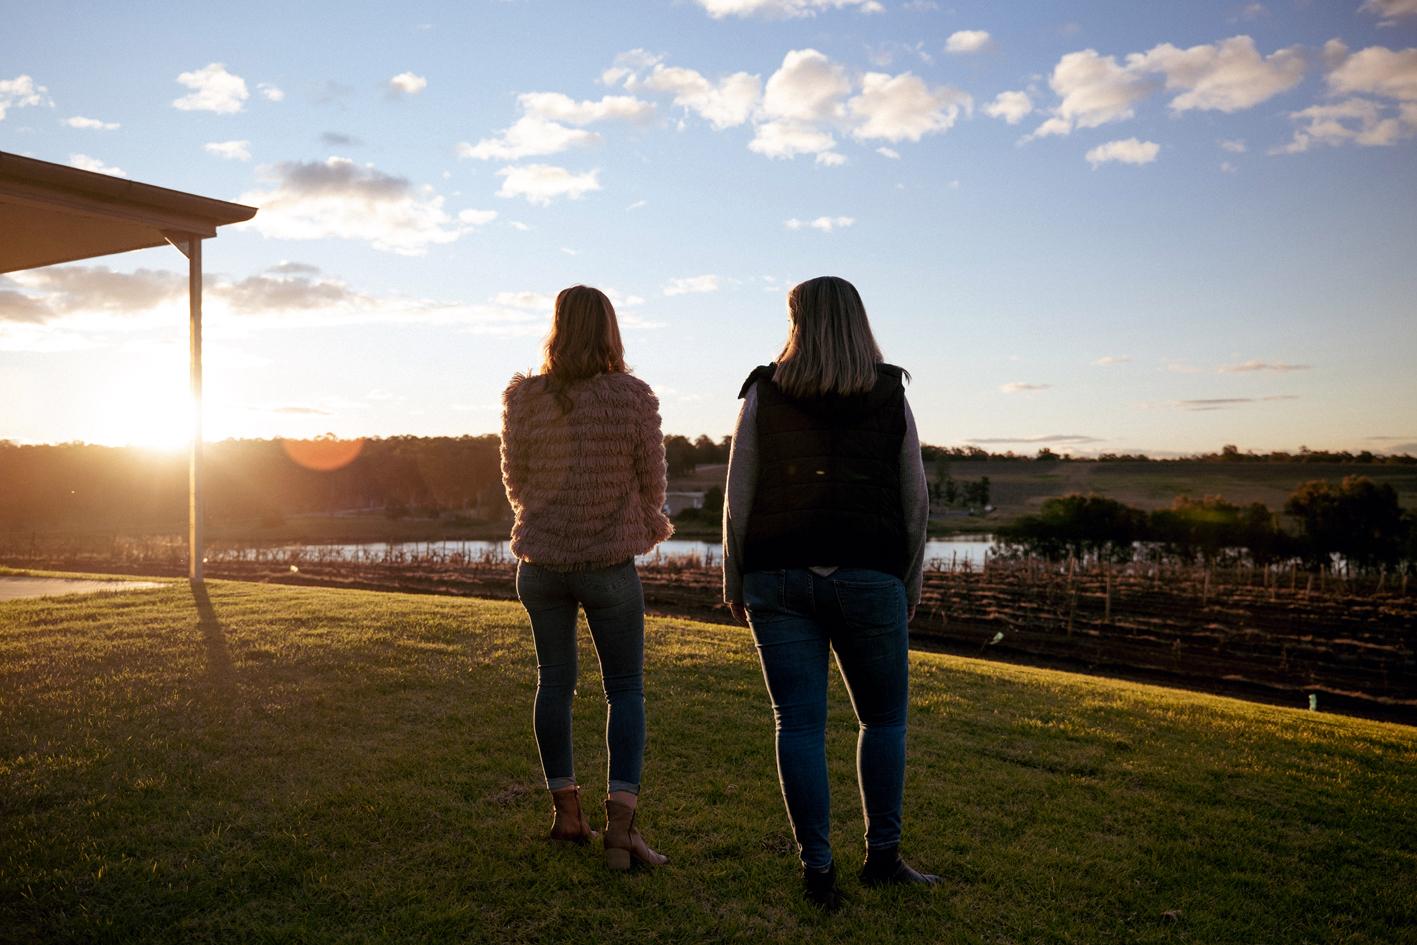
[[101, 487], [1357, 520], [1227, 454]]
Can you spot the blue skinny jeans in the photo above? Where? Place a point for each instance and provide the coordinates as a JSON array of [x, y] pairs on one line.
[[615, 610], [796, 617]]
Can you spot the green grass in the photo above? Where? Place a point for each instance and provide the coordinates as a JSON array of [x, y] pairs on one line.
[[300, 764]]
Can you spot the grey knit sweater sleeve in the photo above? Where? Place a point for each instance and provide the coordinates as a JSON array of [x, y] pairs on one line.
[[738, 494], [742, 483]]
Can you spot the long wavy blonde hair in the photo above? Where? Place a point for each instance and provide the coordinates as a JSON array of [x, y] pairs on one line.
[[830, 348]]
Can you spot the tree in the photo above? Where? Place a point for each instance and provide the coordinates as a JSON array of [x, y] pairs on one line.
[[1358, 519]]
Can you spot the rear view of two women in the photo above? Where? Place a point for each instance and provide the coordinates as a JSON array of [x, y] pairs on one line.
[[824, 535]]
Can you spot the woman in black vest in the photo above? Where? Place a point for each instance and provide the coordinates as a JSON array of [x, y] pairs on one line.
[[823, 546]]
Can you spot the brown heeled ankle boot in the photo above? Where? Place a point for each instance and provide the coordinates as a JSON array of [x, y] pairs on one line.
[[570, 824], [623, 844]]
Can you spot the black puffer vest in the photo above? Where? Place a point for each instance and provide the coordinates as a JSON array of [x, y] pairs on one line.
[[828, 490]]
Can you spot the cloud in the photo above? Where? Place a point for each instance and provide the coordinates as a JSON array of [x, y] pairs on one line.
[[1226, 76], [1019, 387], [904, 108], [340, 199], [335, 139], [91, 124], [1227, 403], [687, 285], [891, 153], [1360, 121], [1233, 145], [967, 41], [1377, 70], [301, 410], [542, 183], [1092, 90], [1253, 365], [213, 90], [270, 92], [628, 65], [69, 290], [19, 307], [1012, 107], [22, 92], [825, 224], [1110, 359], [231, 150], [1065, 438], [783, 9], [807, 87], [407, 83], [86, 163], [785, 139], [1125, 151], [1390, 10], [724, 104], [542, 128], [289, 287]]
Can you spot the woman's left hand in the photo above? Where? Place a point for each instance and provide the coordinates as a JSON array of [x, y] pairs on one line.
[[740, 613]]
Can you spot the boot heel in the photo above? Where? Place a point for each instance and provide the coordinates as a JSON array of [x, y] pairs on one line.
[[617, 860]]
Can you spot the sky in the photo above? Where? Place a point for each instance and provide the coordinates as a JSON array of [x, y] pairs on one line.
[[1091, 226]]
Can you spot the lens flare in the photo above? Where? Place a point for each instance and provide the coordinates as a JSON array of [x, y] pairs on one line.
[[324, 453]]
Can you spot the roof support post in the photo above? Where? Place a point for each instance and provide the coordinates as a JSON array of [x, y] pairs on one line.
[[195, 506]]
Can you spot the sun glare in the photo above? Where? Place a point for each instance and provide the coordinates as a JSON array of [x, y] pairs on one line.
[[152, 407]]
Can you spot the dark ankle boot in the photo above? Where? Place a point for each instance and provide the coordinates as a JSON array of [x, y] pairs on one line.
[[884, 867], [819, 888], [623, 844], [569, 823]]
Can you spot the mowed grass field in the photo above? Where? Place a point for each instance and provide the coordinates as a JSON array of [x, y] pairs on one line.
[[262, 763]]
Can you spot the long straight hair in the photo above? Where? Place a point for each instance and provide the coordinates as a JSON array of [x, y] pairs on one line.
[[830, 348], [584, 341]]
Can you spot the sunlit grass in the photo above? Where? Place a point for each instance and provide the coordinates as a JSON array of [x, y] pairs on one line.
[[276, 763]]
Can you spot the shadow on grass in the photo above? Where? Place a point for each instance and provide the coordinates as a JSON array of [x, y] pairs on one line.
[[221, 674]]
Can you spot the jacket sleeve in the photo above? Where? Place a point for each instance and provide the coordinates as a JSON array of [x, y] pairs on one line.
[[738, 494], [915, 499], [652, 469], [513, 458]]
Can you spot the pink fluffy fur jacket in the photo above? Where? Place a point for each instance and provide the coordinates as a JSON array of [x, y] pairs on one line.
[[587, 486]]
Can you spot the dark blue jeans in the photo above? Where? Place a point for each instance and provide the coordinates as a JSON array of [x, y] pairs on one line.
[[797, 616], [615, 609]]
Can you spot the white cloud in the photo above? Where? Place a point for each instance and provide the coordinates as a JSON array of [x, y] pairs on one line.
[[1254, 365], [21, 92], [1093, 90], [1012, 107], [91, 124], [783, 9], [1377, 70], [1125, 151], [904, 108], [407, 83], [476, 217], [70, 290], [891, 153], [806, 87], [1227, 167], [1109, 360], [825, 224], [340, 199], [687, 285], [542, 183], [1360, 121], [87, 163], [270, 92], [555, 106], [785, 139], [540, 131], [724, 104], [1227, 76], [967, 41], [1020, 387], [1390, 10], [529, 136], [1233, 145], [231, 150], [628, 65], [213, 90]]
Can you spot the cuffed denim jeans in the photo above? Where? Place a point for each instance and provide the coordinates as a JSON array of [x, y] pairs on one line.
[[615, 609], [797, 616]]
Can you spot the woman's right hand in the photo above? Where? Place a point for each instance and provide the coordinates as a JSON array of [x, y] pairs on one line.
[[740, 613]]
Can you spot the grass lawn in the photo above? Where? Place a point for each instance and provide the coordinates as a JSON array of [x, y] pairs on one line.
[[297, 764]]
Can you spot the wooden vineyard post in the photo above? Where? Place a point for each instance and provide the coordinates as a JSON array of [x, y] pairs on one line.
[[1107, 604]]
